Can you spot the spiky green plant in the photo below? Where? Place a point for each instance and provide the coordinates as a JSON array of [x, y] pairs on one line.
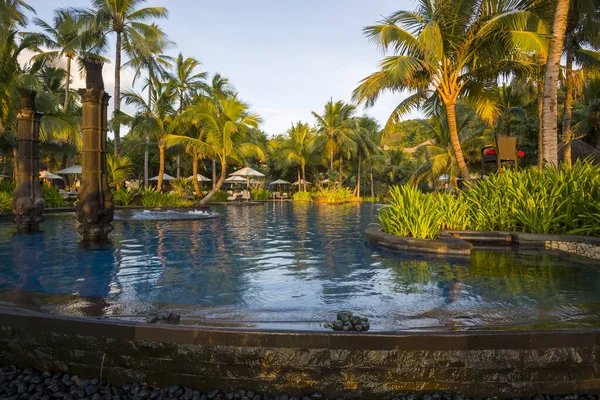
[[5, 201]]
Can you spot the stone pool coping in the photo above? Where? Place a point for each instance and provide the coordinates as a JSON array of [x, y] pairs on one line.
[[375, 365], [461, 242]]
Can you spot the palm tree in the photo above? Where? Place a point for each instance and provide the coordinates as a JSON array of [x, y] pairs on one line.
[[64, 38], [226, 125], [581, 36], [436, 160], [337, 126], [127, 21], [189, 84], [549, 105], [366, 148], [12, 14], [118, 169], [158, 118], [296, 150], [149, 58], [447, 50]]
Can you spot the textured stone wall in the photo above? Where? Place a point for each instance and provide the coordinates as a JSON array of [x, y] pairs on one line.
[[379, 366], [582, 249]]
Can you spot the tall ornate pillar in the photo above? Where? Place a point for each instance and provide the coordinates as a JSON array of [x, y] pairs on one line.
[[95, 208], [28, 203]]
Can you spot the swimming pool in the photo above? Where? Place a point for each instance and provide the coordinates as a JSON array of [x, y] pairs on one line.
[[287, 266]]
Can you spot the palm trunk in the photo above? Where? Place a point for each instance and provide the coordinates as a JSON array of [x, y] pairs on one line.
[[214, 172], [304, 176], [568, 113], [357, 190], [195, 176], [372, 186], [118, 94], [341, 159], [178, 165], [161, 168], [550, 109], [67, 84], [146, 159], [300, 184], [540, 125], [330, 152], [458, 153], [217, 186]]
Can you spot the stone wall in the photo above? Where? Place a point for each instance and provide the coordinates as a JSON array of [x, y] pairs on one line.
[[579, 248], [375, 365]]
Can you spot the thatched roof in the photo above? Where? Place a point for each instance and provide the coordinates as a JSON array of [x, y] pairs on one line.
[[580, 150]]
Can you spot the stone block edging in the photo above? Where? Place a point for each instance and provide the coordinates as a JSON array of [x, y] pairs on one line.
[[377, 366], [446, 244]]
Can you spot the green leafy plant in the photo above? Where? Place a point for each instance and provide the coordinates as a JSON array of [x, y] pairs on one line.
[[411, 213], [302, 196], [7, 187], [53, 197], [259, 194], [334, 195], [219, 196], [5, 201], [152, 198], [453, 212], [124, 197]]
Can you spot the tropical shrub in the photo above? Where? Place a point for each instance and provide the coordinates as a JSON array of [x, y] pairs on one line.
[[302, 196], [5, 201], [372, 199], [563, 200], [124, 197], [334, 195], [7, 187], [184, 188], [53, 197], [152, 198], [411, 213], [219, 196], [259, 194]]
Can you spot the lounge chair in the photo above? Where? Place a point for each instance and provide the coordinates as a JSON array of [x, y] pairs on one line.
[[284, 196], [245, 195], [504, 151], [276, 195]]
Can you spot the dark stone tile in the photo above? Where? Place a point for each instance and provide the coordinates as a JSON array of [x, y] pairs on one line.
[[165, 334], [120, 376], [433, 342], [546, 374], [563, 339], [581, 373], [296, 340], [499, 341], [362, 342], [588, 385]]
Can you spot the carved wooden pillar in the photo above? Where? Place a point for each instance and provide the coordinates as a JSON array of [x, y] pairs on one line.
[[28, 203], [95, 208]]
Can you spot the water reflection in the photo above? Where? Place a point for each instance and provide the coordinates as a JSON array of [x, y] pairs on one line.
[[284, 265]]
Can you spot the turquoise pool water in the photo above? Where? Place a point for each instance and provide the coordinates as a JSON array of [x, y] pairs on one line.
[[290, 266]]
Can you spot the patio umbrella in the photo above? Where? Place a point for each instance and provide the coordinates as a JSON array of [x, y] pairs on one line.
[[279, 182], [248, 172], [166, 177], [201, 178], [49, 175], [73, 169]]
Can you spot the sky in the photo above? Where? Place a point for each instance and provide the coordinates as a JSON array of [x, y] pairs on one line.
[[285, 58]]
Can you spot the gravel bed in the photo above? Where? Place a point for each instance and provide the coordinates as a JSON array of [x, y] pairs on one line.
[[30, 384]]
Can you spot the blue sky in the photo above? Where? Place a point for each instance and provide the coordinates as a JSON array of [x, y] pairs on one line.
[[286, 58]]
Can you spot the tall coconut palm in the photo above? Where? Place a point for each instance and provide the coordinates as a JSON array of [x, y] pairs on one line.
[[149, 59], [226, 125], [158, 118], [64, 38], [190, 84], [296, 150], [447, 50], [127, 21], [550, 103], [365, 137], [436, 161], [12, 15], [336, 125], [581, 38]]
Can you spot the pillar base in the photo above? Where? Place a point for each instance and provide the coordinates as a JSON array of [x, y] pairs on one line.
[[28, 214]]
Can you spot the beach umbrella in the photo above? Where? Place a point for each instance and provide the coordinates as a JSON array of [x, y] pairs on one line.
[[235, 179], [201, 178], [49, 175], [247, 172], [73, 169], [166, 177], [279, 182]]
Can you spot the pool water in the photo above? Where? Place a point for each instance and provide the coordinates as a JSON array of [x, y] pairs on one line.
[[290, 266]]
